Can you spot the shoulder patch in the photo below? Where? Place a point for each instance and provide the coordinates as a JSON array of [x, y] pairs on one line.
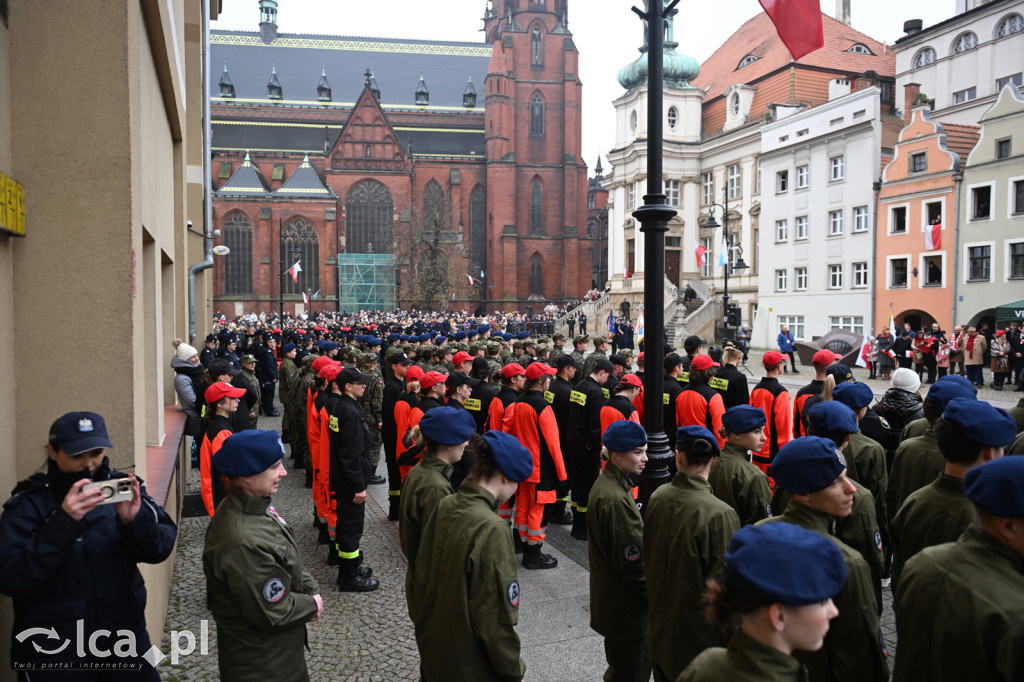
[[719, 383], [768, 510], [273, 590], [884, 423], [631, 552], [549, 396], [684, 377], [473, 404], [578, 398], [665, 398], [607, 393], [878, 540], [513, 593], [333, 424]]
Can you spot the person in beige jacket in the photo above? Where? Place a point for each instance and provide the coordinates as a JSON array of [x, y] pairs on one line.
[[974, 352]]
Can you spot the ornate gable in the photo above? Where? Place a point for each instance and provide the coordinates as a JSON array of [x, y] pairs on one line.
[[368, 142]]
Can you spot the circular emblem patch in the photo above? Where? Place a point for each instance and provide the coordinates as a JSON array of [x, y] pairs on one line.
[[513, 593], [631, 552], [878, 540], [768, 511], [273, 590]]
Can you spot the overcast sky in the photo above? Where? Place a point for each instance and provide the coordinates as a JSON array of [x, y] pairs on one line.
[[606, 33]]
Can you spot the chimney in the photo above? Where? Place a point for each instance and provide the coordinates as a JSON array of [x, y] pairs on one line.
[[838, 87], [910, 93], [912, 26], [843, 11]]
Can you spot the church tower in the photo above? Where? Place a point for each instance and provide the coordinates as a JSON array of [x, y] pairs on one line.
[[536, 178]]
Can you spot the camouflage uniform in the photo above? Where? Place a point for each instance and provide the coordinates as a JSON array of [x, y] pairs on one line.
[[371, 402], [254, 383]]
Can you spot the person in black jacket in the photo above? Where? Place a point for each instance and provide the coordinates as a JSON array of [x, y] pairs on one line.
[[267, 373], [585, 403], [65, 558], [221, 369], [729, 381]]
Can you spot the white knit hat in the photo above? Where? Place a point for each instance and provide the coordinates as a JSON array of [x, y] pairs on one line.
[[186, 351], [906, 379]]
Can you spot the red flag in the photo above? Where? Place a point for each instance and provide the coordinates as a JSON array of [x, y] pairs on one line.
[[701, 250], [294, 271], [798, 23], [933, 237]]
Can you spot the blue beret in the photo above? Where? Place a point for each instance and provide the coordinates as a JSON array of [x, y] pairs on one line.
[[439, 339], [425, 337], [507, 336], [248, 453], [288, 348], [473, 332], [404, 337], [523, 334], [447, 426], [832, 416], [320, 344], [692, 433], [854, 395], [330, 345], [743, 419], [959, 380], [394, 336], [998, 487], [942, 392], [981, 422], [807, 465], [484, 328], [787, 564], [624, 435], [460, 335], [511, 457], [373, 340]]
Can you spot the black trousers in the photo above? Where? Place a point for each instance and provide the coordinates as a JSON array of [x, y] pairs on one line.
[[349, 531], [586, 467], [267, 396]]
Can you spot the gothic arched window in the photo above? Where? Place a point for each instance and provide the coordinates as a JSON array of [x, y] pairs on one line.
[[300, 235], [238, 263], [433, 207], [478, 231], [536, 207], [536, 277], [537, 116], [536, 48], [369, 219]]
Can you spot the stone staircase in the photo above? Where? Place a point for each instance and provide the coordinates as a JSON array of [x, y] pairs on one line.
[[699, 320]]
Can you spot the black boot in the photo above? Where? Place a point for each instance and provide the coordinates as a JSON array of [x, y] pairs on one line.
[[534, 559], [325, 536], [332, 552], [517, 542], [349, 579], [579, 525], [559, 515], [363, 571], [309, 477], [394, 501]]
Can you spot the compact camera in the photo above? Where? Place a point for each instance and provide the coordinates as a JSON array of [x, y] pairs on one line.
[[115, 490]]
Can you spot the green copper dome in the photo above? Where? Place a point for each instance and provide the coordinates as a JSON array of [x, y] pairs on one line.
[[679, 69]]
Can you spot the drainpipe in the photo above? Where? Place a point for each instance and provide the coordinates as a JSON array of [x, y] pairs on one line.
[[876, 186], [207, 263], [958, 178]]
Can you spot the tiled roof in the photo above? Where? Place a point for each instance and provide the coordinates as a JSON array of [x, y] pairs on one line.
[[759, 38], [305, 182], [961, 138]]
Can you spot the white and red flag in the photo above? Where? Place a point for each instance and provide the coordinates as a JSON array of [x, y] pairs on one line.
[[933, 237], [294, 272], [798, 23], [701, 253]]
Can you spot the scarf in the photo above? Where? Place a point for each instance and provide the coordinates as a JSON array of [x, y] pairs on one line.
[[970, 346]]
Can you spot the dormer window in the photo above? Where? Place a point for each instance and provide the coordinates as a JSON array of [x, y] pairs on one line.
[[735, 104], [749, 59], [860, 48]]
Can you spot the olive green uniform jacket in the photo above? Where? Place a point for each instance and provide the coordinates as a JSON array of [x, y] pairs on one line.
[[686, 532], [746, 660], [618, 587], [961, 613], [865, 464], [853, 646], [424, 487], [466, 574], [741, 485], [916, 464], [935, 514], [258, 591]]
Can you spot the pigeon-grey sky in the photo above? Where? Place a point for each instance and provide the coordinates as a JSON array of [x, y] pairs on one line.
[[606, 33]]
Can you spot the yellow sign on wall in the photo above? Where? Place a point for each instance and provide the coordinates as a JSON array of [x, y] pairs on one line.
[[12, 206]]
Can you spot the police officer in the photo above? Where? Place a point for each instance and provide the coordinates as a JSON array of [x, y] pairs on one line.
[[686, 532], [734, 480], [466, 573], [210, 351], [780, 580], [618, 586], [961, 613], [260, 599], [267, 372]]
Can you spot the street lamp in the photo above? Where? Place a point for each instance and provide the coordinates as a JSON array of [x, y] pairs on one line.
[[738, 265], [294, 251]]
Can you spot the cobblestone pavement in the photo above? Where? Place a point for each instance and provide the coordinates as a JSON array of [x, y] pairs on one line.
[[369, 636]]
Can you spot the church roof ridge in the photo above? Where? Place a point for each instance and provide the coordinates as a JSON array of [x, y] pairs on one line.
[[331, 36]]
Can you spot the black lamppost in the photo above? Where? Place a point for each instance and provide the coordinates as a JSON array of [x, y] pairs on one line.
[[294, 251], [729, 266], [653, 217]]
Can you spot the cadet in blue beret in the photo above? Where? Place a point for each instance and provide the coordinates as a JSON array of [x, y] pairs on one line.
[[961, 613], [969, 434], [853, 394], [465, 587], [618, 588], [244, 578], [734, 479], [814, 472], [686, 532], [781, 580]]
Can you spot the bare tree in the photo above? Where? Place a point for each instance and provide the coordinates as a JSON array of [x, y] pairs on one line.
[[423, 249]]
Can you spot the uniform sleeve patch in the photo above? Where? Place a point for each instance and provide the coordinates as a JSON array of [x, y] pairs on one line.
[[719, 383], [473, 404], [607, 393], [273, 590], [333, 424], [878, 540], [513, 593], [768, 510], [665, 398], [631, 552], [549, 396], [578, 397], [884, 423]]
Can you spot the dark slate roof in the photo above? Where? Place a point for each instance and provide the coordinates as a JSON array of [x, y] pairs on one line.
[[304, 182], [396, 64], [247, 181], [267, 136], [442, 141]]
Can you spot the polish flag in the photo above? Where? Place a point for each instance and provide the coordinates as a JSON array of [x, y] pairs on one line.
[[798, 23], [933, 237], [294, 272], [865, 354], [471, 280], [305, 298], [701, 250]]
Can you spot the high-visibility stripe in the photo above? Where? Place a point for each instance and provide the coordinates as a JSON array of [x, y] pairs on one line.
[[394, 493], [564, 498], [348, 555], [581, 508]]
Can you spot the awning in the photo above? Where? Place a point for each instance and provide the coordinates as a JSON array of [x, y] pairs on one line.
[[1011, 312]]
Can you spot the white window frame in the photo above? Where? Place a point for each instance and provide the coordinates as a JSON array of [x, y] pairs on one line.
[[1008, 259], [888, 270], [733, 182], [991, 202], [802, 229], [835, 276], [906, 222], [757, 177], [924, 215], [1010, 196], [781, 280], [837, 168], [800, 279], [841, 222], [673, 192], [966, 95], [967, 262], [707, 188], [861, 276], [781, 231], [779, 176], [795, 323], [707, 270], [803, 176], [922, 267], [851, 323], [861, 219], [631, 196]]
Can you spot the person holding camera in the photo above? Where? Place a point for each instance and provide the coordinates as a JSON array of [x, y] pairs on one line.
[[69, 549]]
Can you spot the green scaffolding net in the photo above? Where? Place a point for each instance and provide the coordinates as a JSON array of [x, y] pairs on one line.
[[366, 281]]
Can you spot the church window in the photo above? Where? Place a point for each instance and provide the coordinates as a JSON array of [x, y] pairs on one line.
[[299, 234], [536, 48], [238, 263], [369, 219], [433, 207], [536, 208], [536, 277], [537, 116], [478, 230]]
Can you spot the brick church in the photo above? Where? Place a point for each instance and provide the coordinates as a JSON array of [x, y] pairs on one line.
[[378, 166]]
